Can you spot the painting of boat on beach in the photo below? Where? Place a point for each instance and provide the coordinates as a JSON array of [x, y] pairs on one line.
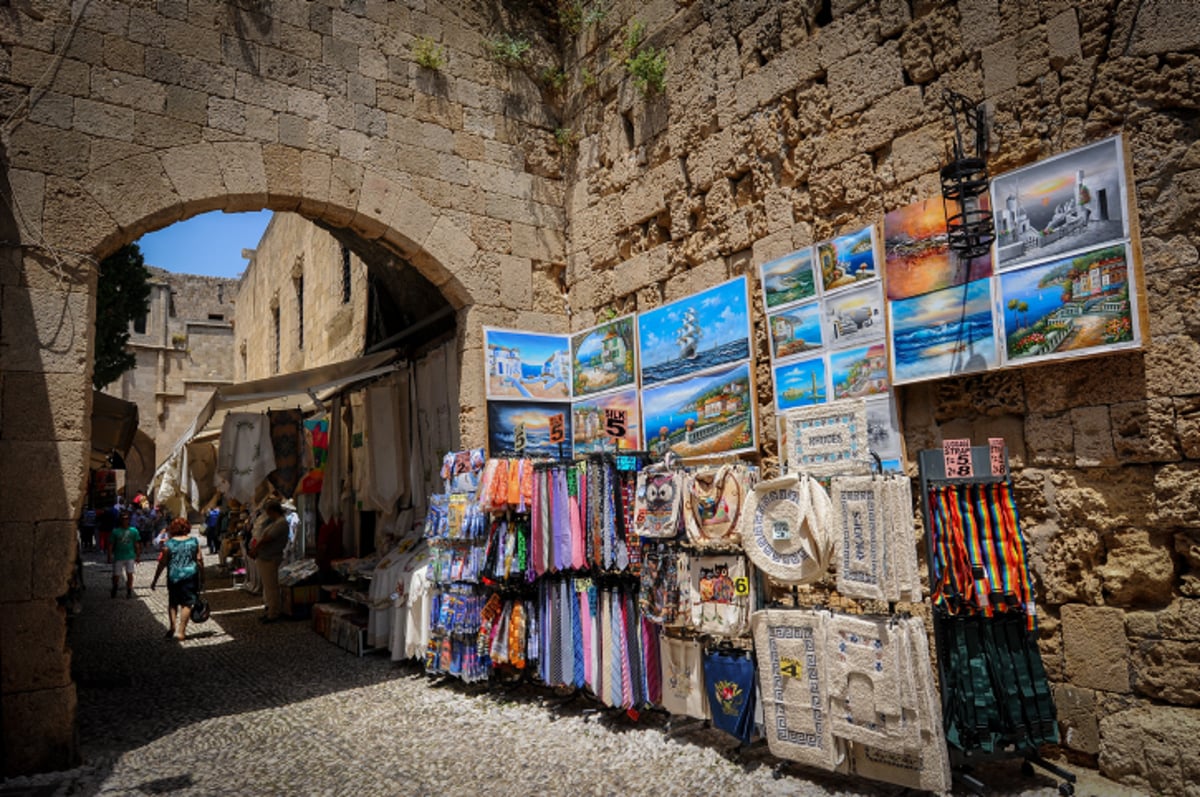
[[848, 259], [854, 316], [514, 426], [710, 413], [860, 372], [607, 423], [800, 383], [527, 365], [917, 256], [698, 332], [1067, 203], [1069, 307], [789, 279], [796, 330], [943, 333], [602, 357]]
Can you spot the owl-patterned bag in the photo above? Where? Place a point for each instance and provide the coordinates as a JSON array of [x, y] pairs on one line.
[[657, 506]]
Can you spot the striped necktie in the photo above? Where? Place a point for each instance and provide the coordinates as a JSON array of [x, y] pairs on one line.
[[577, 638]]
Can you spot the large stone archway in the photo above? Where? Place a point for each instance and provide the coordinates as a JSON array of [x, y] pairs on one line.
[[126, 118]]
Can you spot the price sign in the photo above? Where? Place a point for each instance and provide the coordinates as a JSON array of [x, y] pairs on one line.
[[791, 668], [558, 428], [957, 454], [614, 423], [519, 439], [996, 455], [780, 530], [741, 586]]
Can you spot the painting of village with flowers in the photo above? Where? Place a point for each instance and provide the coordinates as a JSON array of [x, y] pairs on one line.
[[1075, 305]]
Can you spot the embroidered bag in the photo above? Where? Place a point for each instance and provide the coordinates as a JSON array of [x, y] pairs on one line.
[[712, 505], [657, 504]]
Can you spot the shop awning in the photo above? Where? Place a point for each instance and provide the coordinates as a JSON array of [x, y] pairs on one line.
[[114, 424]]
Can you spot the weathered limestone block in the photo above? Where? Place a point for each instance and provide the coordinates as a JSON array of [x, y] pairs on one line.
[[1101, 380], [1187, 545], [1063, 560], [1177, 495], [1164, 26], [1167, 670], [855, 82], [1152, 748], [194, 172], [47, 404], [1105, 499], [16, 566], [39, 729], [1093, 437], [1062, 34], [33, 640], [1144, 431], [1049, 440], [1077, 720], [45, 331], [1095, 648], [1139, 569], [1001, 66], [1173, 366]]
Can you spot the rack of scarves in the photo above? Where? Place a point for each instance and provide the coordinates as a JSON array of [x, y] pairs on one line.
[[996, 696]]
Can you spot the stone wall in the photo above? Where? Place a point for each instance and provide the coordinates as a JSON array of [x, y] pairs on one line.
[[784, 123]]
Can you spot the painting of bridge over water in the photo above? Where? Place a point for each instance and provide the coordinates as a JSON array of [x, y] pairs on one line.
[[709, 413]]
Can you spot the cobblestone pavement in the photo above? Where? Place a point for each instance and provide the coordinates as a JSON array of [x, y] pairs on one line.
[[250, 709]]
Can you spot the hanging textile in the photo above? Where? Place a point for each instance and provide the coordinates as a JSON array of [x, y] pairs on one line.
[[787, 529], [729, 686], [862, 531], [385, 441], [330, 503], [721, 595], [316, 438], [658, 504], [287, 444], [863, 666], [712, 505], [665, 596], [682, 677], [245, 456], [828, 439]]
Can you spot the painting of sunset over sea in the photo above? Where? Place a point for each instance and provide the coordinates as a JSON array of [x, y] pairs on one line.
[[917, 256]]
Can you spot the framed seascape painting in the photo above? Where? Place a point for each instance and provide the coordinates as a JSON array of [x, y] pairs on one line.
[[698, 332], [860, 372], [603, 357], [789, 279], [854, 316], [1067, 203], [523, 428], [527, 365], [848, 259], [701, 415], [800, 383], [943, 333], [917, 256], [609, 422], [796, 330], [1073, 306]]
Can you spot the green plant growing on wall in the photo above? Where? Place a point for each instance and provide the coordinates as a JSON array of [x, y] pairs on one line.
[[588, 78], [509, 50], [566, 138], [428, 54], [646, 65], [574, 16], [554, 78]]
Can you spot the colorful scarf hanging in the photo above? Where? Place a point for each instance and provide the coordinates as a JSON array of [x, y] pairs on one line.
[[316, 433]]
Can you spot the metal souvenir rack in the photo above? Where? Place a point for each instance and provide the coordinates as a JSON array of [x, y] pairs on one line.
[[932, 465]]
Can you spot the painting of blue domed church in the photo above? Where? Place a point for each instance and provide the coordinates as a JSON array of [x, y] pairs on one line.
[[695, 333], [602, 358], [527, 365]]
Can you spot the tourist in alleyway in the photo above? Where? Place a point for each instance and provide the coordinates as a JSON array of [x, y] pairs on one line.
[[268, 554], [106, 521], [87, 529], [124, 550], [184, 563]]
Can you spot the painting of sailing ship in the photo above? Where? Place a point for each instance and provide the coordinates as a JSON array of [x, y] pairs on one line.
[[524, 426], [800, 383], [607, 423], [698, 332], [602, 358], [1068, 307], [703, 414], [527, 365], [917, 256], [1068, 203], [854, 316], [943, 333], [860, 372], [789, 279], [848, 259]]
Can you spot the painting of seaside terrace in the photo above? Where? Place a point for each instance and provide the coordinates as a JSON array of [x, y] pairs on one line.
[[710, 413]]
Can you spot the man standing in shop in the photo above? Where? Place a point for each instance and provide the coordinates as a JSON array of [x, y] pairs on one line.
[[268, 554], [124, 549]]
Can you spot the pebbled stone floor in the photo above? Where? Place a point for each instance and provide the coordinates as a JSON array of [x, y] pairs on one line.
[[247, 709]]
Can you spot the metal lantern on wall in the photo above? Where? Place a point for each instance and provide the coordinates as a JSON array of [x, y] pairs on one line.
[[965, 181]]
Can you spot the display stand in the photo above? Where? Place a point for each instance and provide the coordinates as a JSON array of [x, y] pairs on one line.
[[932, 465]]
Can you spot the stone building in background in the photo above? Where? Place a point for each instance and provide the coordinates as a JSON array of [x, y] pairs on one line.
[[184, 350]]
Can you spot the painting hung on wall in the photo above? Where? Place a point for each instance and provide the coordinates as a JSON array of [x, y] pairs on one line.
[[883, 428], [800, 383], [917, 256], [854, 316], [859, 372], [527, 365], [943, 333], [1073, 306], [701, 331], [796, 330], [710, 413], [848, 259], [528, 428], [607, 423], [789, 279], [1073, 201], [602, 358]]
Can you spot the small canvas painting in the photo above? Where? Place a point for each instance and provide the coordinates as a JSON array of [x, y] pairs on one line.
[[527, 365], [855, 316], [860, 372], [702, 331], [602, 358], [1073, 201], [609, 422], [1074, 306], [796, 330], [917, 256], [710, 413], [789, 279], [943, 333], [848, 259], [800, 383], [522, 428], [883, 428]]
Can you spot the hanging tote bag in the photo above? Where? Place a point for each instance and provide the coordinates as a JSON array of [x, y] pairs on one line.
[[657, 504], [787, 529], [712, 505]]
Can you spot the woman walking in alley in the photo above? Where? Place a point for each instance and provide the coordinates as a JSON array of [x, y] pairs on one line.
[[184, 563]]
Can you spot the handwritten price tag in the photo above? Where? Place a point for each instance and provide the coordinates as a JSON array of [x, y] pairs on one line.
[[957, 455], [558, 428], [996, 455]]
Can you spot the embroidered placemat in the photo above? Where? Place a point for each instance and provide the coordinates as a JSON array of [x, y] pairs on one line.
[[861, 533], [828, 439], [866, 679], [787, 529]]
